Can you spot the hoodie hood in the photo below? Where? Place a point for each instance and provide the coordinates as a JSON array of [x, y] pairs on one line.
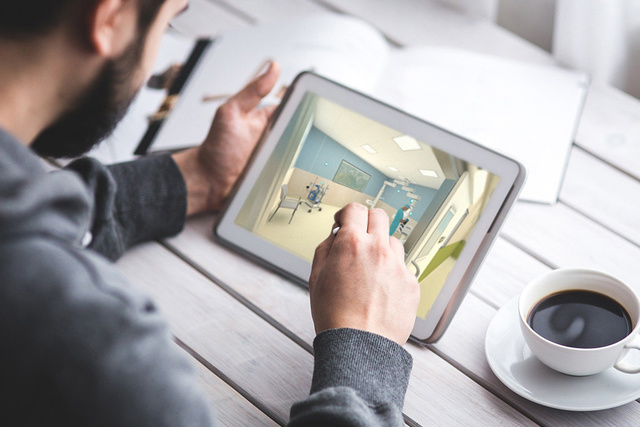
[[33, 201]]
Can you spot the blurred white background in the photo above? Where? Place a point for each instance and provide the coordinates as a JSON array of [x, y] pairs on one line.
[[601, 37]]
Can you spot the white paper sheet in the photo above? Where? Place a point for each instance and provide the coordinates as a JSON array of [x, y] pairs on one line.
[[341, 48], [525, 111]]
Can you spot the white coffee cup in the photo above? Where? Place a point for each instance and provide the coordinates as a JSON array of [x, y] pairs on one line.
[[573, 360]]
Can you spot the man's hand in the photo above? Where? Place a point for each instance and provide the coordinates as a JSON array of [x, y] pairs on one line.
[[359, 279], [211, 169]]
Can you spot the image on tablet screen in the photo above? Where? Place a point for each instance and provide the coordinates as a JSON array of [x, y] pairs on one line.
[[330, 156]]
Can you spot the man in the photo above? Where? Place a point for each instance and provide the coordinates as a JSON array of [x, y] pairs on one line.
[[80, 346], [399, 218]]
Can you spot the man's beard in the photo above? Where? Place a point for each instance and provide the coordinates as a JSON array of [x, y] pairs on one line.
[[97, 112]]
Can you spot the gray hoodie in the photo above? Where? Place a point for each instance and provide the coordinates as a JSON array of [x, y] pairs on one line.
[[80, 346]]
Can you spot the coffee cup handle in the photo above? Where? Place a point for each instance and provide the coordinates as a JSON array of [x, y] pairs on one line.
[[627, 367]]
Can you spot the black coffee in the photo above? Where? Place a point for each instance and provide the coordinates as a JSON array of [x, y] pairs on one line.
[[580, 319]]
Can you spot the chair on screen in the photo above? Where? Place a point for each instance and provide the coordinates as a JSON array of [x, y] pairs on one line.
[[287, 201]]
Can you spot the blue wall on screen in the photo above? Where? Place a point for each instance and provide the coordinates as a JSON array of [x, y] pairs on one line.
[[392, 197], [322, 155]]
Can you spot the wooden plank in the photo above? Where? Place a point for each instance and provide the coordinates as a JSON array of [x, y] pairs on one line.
[[441, 395], [610, 127], [562, 237], [608, 196], [504, 273], [288, 304], [269, 292], [250, 352], [467, 334], [231, 408]]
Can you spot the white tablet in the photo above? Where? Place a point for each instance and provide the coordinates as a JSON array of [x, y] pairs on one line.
[[328, 146]]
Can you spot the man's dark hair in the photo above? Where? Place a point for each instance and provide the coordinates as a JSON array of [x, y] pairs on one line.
[[27, 18]]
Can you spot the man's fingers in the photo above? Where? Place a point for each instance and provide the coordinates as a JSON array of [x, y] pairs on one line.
[[354, 217], [320, 257], [378, 222], [251, 95]]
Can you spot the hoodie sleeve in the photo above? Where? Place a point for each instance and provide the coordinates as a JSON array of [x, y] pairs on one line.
[[134, 202], [359, 379]]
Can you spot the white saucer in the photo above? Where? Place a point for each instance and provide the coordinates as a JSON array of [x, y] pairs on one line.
[[512, 362]]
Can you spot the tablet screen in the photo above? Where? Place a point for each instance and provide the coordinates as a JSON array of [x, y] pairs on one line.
[[329, 156]]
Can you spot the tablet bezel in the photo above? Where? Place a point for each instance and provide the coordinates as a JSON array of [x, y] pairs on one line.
[[511, 175]]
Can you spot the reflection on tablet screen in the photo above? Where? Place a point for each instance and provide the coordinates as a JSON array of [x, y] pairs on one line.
[[330, 156]]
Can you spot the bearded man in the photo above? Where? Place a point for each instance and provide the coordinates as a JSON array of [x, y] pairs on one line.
[[79, 345]]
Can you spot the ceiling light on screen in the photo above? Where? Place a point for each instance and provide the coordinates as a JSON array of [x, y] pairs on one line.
[[430, 173], [391, 168], [369, 149], [406, 143]]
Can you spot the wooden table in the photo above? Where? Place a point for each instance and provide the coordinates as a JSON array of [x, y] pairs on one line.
[[249, 331]]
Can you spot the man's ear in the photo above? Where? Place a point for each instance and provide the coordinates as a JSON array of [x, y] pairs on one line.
[[112, 25]]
